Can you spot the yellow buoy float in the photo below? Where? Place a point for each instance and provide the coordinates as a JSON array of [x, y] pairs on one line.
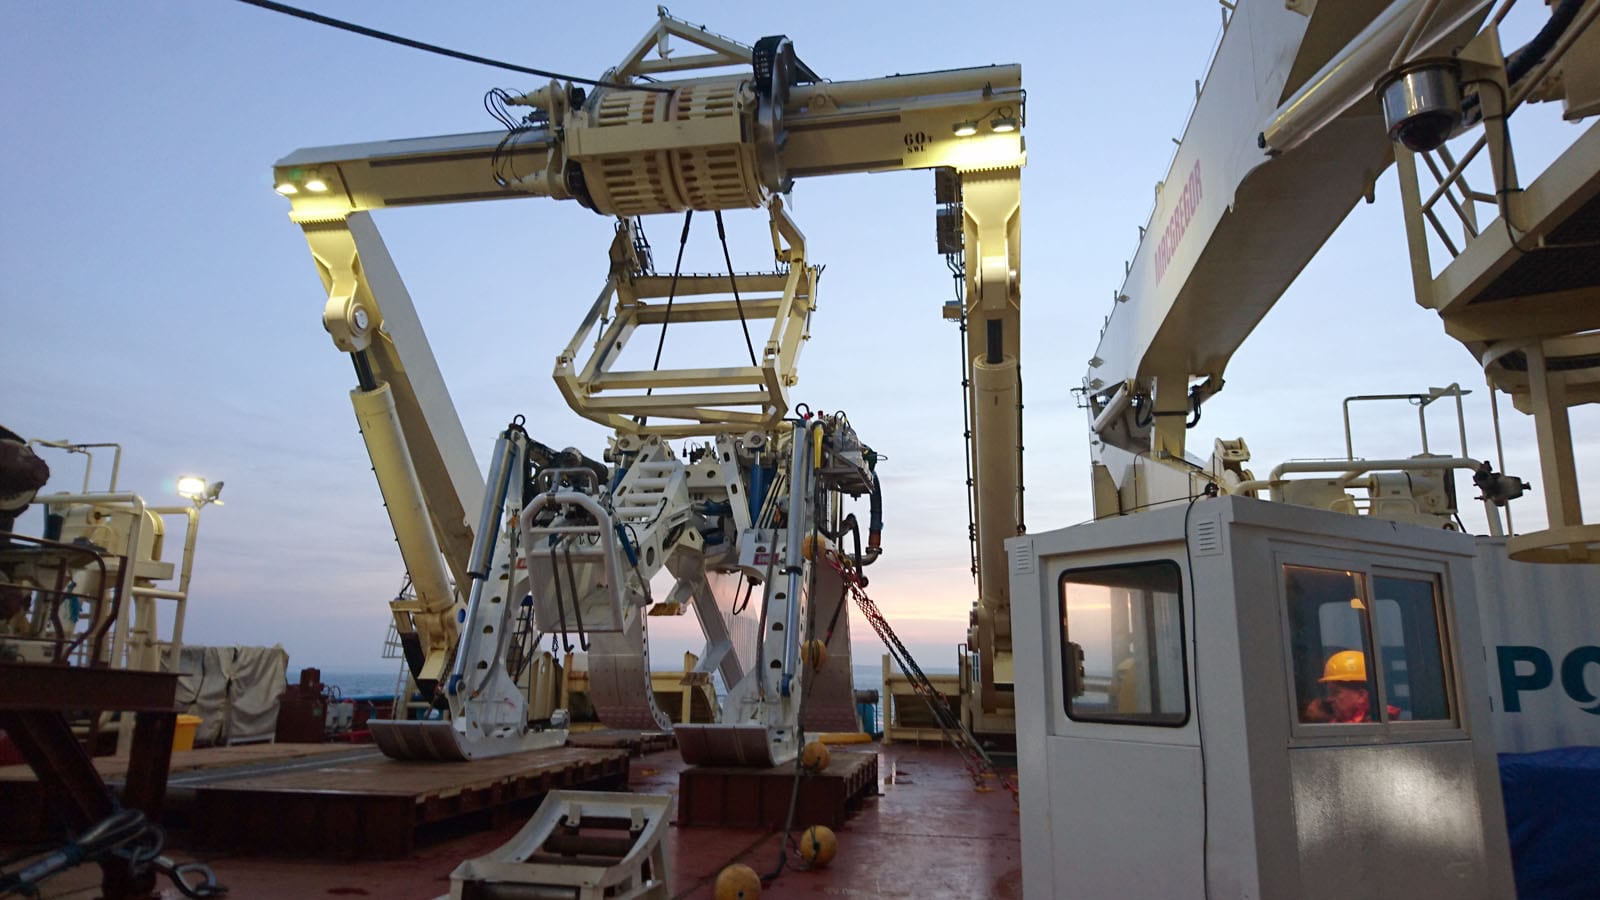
[[811, 544], [814, 653], [818, 845], [737, 882], [814, 757]]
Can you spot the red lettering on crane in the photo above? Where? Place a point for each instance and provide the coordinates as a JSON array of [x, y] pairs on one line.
[[1178, 222]]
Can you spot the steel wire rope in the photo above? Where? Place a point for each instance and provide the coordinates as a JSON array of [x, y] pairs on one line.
[[561, 609], [577, 606], [672, 292], [364, 31], [733, 281], [672, 289]]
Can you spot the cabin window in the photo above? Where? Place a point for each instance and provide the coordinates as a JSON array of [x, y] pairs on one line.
[[1337, 618], [1122, 644]]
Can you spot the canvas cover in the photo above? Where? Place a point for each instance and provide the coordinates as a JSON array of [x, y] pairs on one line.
[[234, 690]]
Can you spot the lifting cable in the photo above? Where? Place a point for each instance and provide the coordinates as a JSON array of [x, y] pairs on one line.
[[364, 31], [979, 765], [561, 606], [672, 290], [672, 293], [577, 604], [734, 281]]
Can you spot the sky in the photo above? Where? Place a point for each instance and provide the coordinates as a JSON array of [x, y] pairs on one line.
[[154, 293]]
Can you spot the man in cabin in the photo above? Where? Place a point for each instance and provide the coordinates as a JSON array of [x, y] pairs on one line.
[[1346, 692]]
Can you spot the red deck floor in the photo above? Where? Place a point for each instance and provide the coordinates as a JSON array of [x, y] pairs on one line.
[[929, 835]]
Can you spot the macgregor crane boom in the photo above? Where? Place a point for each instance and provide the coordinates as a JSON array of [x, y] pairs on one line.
[[1292, 698]]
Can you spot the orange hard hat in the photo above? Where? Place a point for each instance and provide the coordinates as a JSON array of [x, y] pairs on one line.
[[1346, 665]]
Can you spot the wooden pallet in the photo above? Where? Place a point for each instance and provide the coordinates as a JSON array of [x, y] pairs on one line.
[[374, 807], [29, 817], [727, 796], [330, 800]]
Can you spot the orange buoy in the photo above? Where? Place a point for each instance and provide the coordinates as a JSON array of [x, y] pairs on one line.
[[738, 882], [814, 757], [810, 544], [818, 845], [814, 653]]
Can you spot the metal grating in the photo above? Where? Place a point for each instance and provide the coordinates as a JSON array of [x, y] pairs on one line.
[[1570, 260]]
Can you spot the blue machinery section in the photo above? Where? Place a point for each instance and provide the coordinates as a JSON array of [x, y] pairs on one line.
[[1553, 816]]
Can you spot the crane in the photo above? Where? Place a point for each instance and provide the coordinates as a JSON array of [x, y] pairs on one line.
[[1222, 246], [631, 146], [1176, 680]]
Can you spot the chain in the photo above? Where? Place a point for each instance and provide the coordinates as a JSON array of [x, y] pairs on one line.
[[978, 764]]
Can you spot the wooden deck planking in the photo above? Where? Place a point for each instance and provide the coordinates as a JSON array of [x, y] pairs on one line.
[[331, 800], [116, 767], [387, 777], [373, 808]]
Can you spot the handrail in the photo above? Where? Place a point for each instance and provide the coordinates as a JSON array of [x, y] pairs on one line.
[[100, 620], [1352, 468]]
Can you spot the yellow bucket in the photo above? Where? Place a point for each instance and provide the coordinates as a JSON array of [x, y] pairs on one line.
[[183, 734]]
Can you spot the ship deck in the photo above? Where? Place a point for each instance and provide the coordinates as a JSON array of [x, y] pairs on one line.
[[925, 832]]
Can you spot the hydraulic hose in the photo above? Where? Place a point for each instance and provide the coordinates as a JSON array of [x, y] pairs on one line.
[[875, 516], [1524, 59]]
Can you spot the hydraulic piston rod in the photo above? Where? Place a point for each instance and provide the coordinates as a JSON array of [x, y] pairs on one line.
[[799, 487], [501, 470]]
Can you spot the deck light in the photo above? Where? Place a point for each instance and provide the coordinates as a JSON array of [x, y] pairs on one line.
[[1003, 124], [286, 188], [966, 129], [316, 185], [195, 488]]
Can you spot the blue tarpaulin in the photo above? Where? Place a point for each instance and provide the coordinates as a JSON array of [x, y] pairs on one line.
[[1553, 816]]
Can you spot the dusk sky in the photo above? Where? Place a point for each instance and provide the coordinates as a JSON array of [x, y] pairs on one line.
[[153, 291]]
